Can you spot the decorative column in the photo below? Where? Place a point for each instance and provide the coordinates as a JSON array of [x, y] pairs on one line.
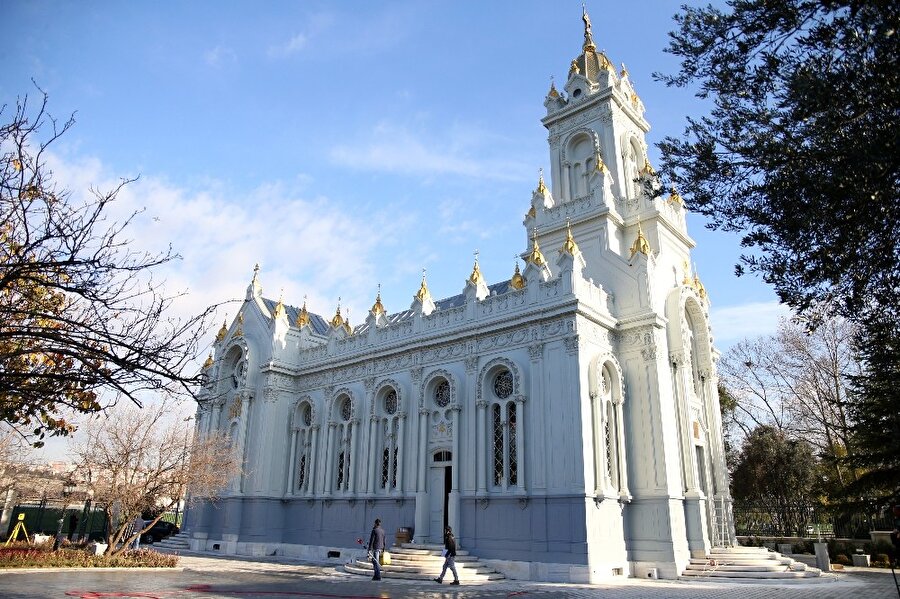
[[313, 455], [681, 371], [481, 455], [370, 465], [538, 438], [329, 459], [453, 500], [422, 519], [621, 464], [371, 483], [520, 444], [401, 438], [354, 433], [292, 460], [245, 431]]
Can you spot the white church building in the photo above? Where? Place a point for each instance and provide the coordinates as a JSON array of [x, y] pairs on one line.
[[565, 422]]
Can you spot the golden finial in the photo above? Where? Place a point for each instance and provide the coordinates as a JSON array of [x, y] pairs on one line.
[[423, 292], [303, 315], [640, 243], [476, 276], [209, 361], [624, 72], [588, 37], [600, 166], [279, 307], [517, 281], [541, 188], [535, 256], [347, 326], [240, 329], [569, 246], [223, 331], [338, 320], [647, 169], [701, 290], [552, 93], [574, 68], [675, 197], [532, 213], [687, 274], [377, 307]]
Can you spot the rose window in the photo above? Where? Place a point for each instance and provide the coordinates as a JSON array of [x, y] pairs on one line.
[[346, 410], [390, 402], [442, 394], [503, 384]]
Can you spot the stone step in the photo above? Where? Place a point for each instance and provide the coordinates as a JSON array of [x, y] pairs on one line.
[[753, 575], [724, 568], [739, 561], [429, 559], [465, 575], [436, 567], [741, 550], [421, 549]]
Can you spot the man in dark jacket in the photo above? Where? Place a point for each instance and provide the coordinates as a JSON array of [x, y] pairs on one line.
[[449, 557], [375, 547]]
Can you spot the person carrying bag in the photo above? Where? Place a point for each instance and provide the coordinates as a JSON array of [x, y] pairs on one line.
[[376, 548], [449, 553]]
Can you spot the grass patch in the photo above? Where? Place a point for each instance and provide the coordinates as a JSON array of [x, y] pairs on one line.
[[25, 555]]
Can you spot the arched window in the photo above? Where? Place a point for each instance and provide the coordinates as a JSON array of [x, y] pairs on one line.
[[343, 442], [503, 429], [390, 432], [608, 432], [303, 443]]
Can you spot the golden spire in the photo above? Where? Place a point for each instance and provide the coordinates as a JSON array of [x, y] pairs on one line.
[[552, 93], [338, 320], [647, 169], [476, 276], [574, 68], [240, 328], [517, 281], [535, 256], [600, 167], [279, 307], [209, 361], [532, 213], [687, 274], [624, 72], [423, 292], [377, 307], [569, 246], [675, 197], [701, 290], [347, 326], [303, 315], [640, 243], [588, 37], [223, 331], [541, 188]]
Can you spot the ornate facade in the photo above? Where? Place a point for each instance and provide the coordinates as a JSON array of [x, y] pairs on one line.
[[565, 422]]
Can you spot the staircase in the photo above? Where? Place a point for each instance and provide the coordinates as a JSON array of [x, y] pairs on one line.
[[179, 542], [424, 562], [748, 562]]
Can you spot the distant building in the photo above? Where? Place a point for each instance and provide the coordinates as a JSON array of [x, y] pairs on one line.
[[564, 422]]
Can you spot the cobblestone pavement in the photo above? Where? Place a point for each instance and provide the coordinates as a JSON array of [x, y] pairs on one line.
[[209, 577]]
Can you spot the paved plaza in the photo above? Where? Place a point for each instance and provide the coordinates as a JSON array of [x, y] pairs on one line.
[[208, 577]]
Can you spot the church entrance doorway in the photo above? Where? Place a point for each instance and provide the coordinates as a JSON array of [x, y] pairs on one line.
[[439, 487]]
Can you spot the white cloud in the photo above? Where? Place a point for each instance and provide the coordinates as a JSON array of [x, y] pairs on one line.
[[396, 149], [292, 46], [731, 324], [219, 56]]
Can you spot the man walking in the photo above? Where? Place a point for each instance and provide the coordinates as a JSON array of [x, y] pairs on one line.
[[449, 557], [375, 547]]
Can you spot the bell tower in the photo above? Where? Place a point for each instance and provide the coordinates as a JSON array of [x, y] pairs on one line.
[[602, 182]]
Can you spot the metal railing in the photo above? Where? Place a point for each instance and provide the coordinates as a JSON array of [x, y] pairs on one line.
[[808, 521]]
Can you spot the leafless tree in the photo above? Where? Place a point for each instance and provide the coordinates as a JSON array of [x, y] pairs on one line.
[[796, 381], [84, 318], [138, 461]]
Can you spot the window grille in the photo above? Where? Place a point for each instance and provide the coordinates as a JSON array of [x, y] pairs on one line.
[[390, 402], [340, 471], [301, 473], [498, 444], [511, 450], [503, 384], [442, 394], [346, 410], [385, 462]]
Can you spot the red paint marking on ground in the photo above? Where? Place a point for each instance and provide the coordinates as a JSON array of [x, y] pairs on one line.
[[206, 588]]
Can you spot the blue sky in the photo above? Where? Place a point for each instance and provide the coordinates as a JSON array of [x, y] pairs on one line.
[[338, 144]]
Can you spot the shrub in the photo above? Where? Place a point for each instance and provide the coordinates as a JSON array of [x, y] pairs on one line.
[[23, 555], [881, 560], [841, 559]]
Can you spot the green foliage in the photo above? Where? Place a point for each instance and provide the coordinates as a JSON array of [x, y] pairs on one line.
[[801, 149], [841, 559], [800, 153], [774, 470]]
